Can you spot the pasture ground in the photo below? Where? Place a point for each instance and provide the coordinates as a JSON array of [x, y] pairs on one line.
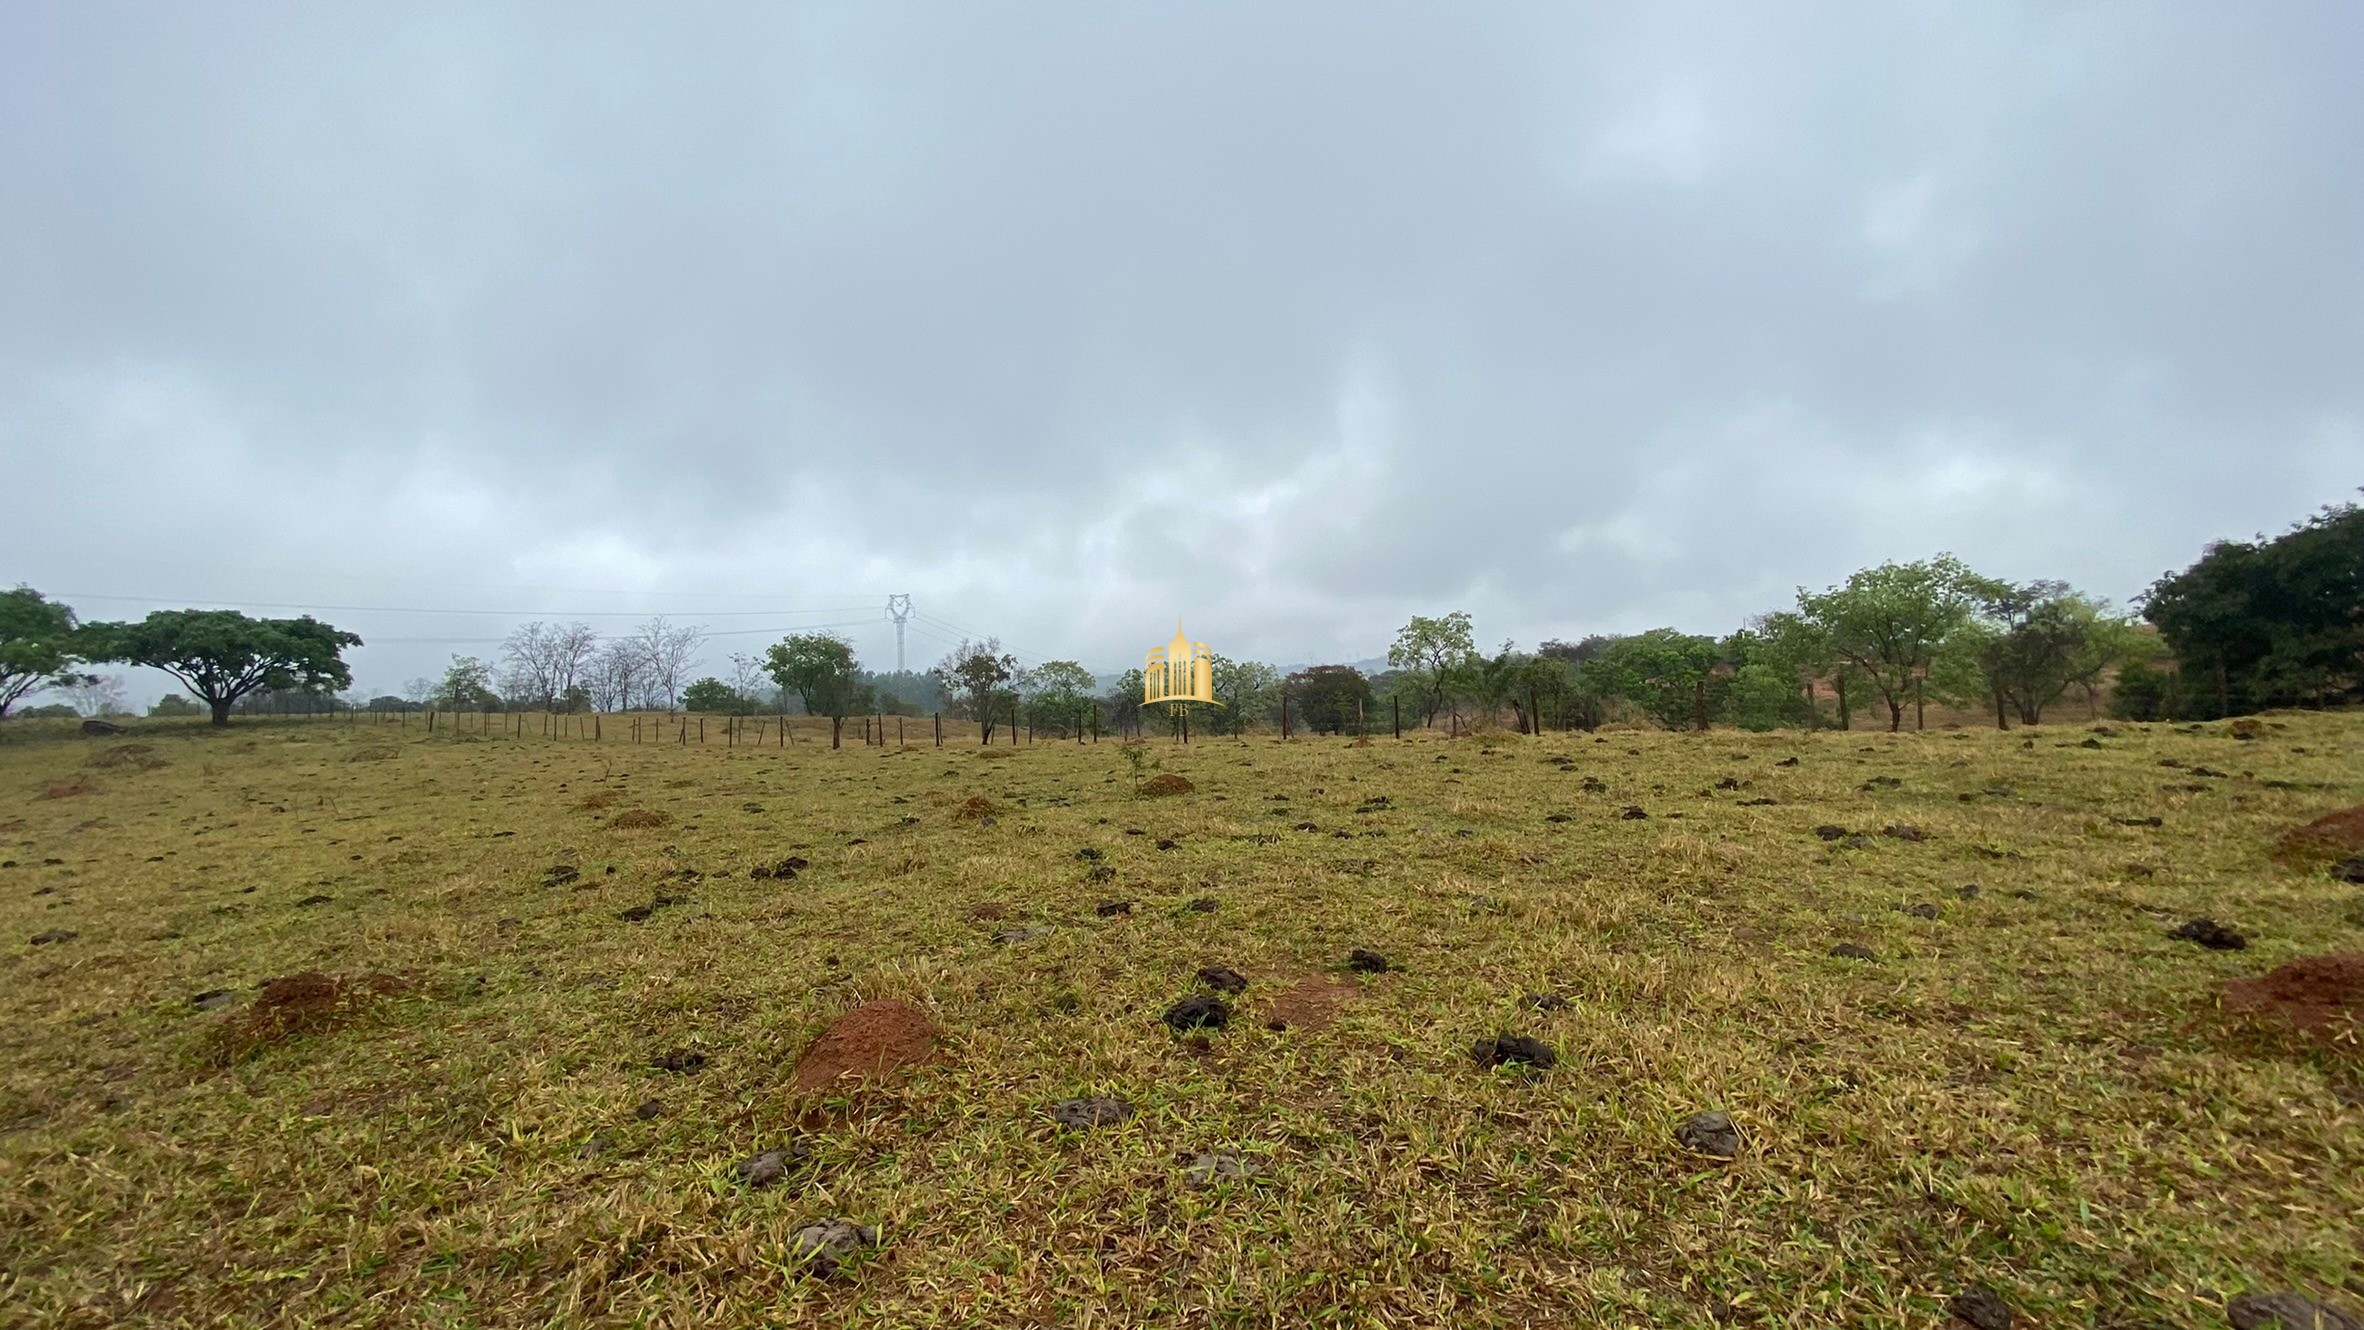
[[452, 1112]]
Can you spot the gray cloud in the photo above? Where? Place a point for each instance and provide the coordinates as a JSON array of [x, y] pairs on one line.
[[1293, 320]]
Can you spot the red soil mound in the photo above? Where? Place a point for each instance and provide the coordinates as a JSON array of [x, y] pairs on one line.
[[2326, 837], [308, 1003], [2310, 992], [975, 806], [1310, 1004], [1169, 783], [875, 1041]]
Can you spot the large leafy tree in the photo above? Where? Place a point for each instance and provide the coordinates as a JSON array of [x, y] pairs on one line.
[[2042, 639], [222, 655], [820, 669], [1671, 676], [1062, 690], [1583, 699], [1891, 623], [2271, 623], [981, 675], [38, 641], [1330, 698], [1433, 656], [466, 685]]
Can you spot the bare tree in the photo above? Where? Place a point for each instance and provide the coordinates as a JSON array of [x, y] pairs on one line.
[[668, 653], [616, 676], [751, 677], [541, 661]]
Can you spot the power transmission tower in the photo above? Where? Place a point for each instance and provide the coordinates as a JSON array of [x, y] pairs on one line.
[[899, 609]]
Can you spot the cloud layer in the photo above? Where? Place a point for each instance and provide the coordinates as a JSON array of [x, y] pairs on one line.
[[1292, 320]]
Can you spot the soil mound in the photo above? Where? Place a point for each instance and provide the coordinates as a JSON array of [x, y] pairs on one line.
[[875, 1041], [975, 807], [2311, 992], [641, 817], [1169, 783], [1310, 1004], [69, 788], [308, 1003], [2328, 837]]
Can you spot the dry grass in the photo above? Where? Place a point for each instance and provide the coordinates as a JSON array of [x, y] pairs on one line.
[[2034, 1088]]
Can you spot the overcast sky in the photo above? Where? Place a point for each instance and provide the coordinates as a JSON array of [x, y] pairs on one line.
[[1292, 320]]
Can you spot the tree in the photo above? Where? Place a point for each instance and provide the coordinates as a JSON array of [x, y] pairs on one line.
[[1583, 699], [175, 704], [1671, 676], [1432, 654], [1061, 690], [39, 640], [2034, 638], [1123, 702], [1889, 623], [1249, 691], [94, 695], [544, 661], [616, 677], [820, 669], [2270, 623], [1330, 698], [665, 654], [713, 695], [222, 655], [976, 672], [466, 686]]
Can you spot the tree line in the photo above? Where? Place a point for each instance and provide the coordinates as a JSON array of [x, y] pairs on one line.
[[2250, 625]]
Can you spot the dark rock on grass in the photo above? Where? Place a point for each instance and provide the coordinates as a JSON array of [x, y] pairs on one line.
[[1787, 762], [1967, 891], [1555, 817], [1101, 873], [1632, 813], [1198, 1012], [1921, 911], [1851, 951], [558, 875], [1547, 1002], [2210, 934], [2140, 821], [1093, 1111], [640, 913], [1307, 826], [1218, 1166], [213, 999], [1903, 831], [2350, 869], [1362, 960], [1756, 803], [1710, 1134], [1089, 854], [2287, 1310], [600, 1143], [649, 1110], [1595, 785], [49, 935], [1513, 1050], [1166, 842], [1981, 1308], [680, 1061], [1204, 905], [1223, 979], [769, 1166], [1012, 936], [1883, 783], [825, 1248], [1112, 909], [315, 899], [1830, 831]]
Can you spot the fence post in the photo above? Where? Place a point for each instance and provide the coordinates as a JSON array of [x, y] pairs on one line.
[[939, 729], [1284, 714], [1397, 704]]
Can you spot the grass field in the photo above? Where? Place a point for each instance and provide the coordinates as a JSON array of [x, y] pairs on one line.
[[2029, 1086]]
